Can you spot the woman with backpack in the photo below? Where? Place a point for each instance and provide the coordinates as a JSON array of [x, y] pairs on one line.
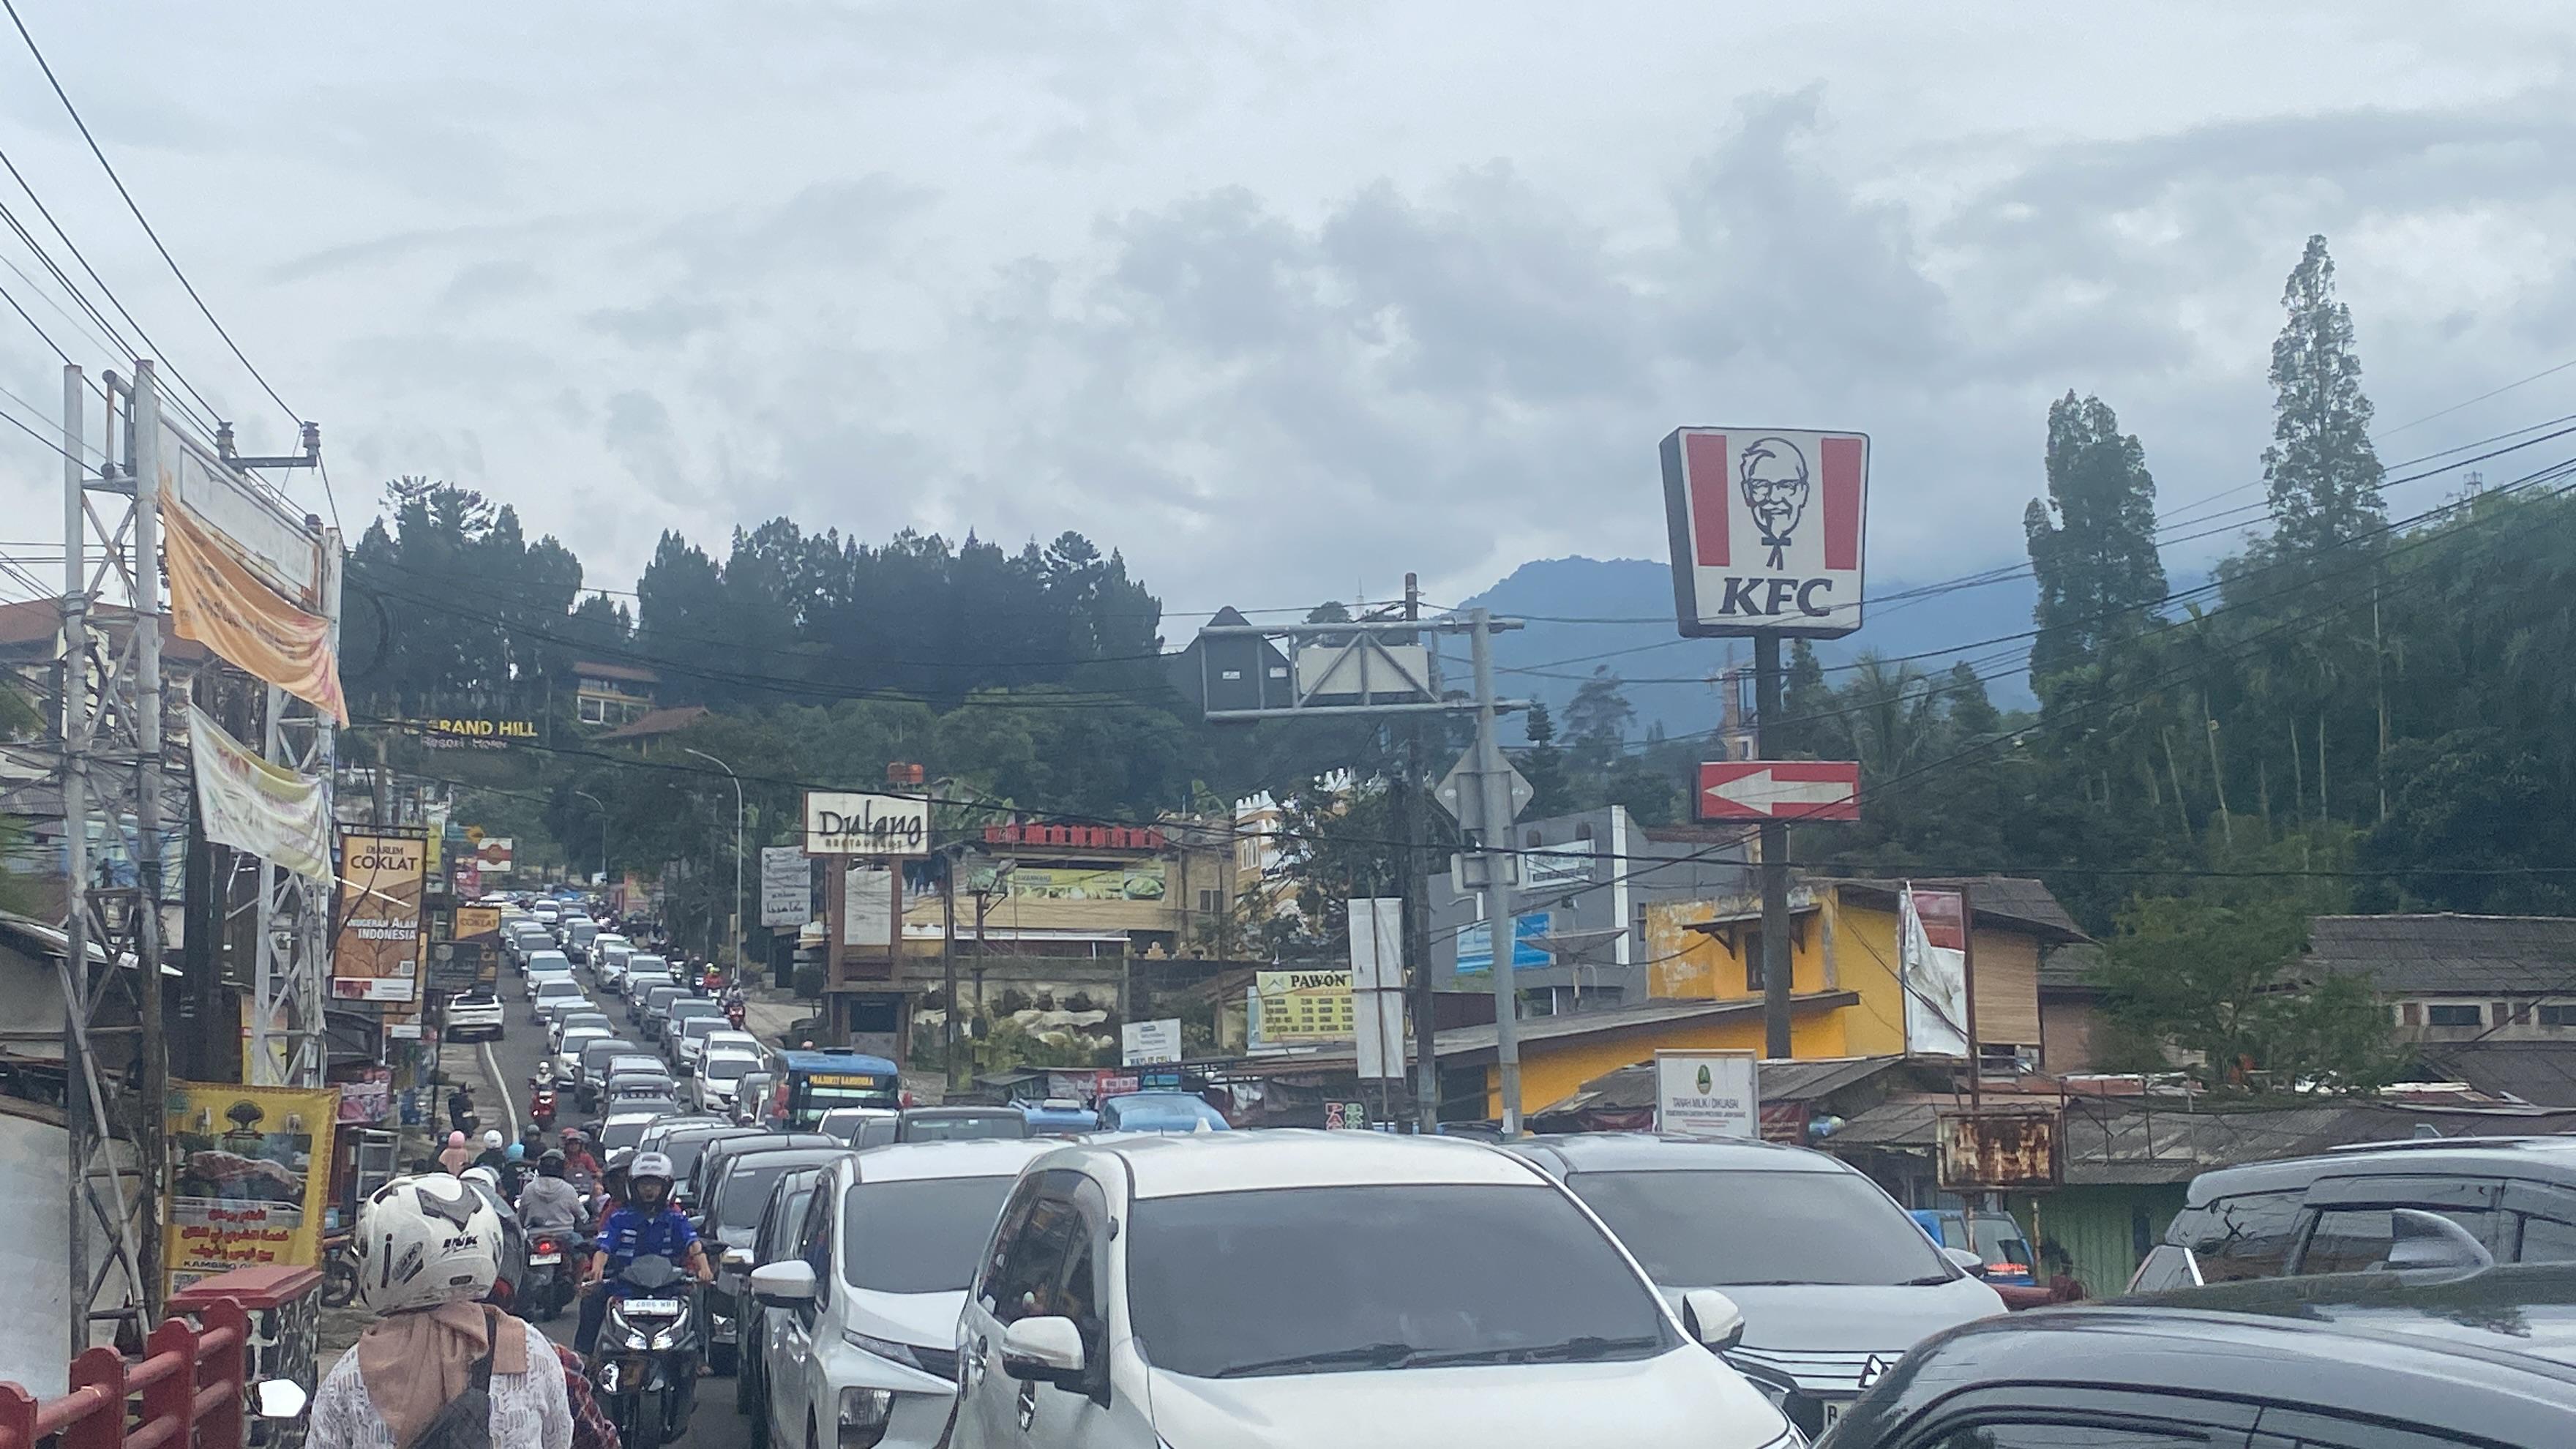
[[438, 1369]]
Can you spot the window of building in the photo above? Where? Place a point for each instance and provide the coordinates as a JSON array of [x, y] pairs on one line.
[[1753, 982], [2506, 1012], [1207, 903], [1531, 840], [2411, 1013], [591, 712], [2561, 1015], [2451, 1016]]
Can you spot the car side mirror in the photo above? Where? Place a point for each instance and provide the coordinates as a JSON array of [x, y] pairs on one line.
[[786, 1284], [1712, 1318], [1965, 1261], [1044, 1350], [2420, 1241]]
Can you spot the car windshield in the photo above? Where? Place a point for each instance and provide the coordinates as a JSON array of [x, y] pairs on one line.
[[745, 1192], [623, 1132], [1160, 1112], [1326, 1279], [727, 1069], [1693, 1229], [1999, 1239], [551, 989], [964, 1127], [684, 1152], [919, 1236]]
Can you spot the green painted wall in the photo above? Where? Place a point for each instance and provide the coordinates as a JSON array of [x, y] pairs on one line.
[[2103, 1229]]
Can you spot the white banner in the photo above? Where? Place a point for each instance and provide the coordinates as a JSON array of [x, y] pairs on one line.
[[1932, 960], [786, 886], [867, 907], [249, 804], [1707, 1094], [1144, 1043], [1377, 985]]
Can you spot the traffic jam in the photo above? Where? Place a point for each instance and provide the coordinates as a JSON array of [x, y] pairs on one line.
[[784, 1231]]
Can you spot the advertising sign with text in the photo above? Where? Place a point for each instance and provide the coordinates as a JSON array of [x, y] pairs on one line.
[[1766, 530], [375, 950], [250, 1170], [840, 824]]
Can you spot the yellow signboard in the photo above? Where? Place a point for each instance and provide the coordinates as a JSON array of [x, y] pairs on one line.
[[375, 956], [250, 1171], [1305, 1006]]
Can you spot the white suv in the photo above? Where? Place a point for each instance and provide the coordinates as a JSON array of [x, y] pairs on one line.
[[1349, 1289], [863, 1354]]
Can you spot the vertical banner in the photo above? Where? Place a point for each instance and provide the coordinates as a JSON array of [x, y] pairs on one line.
[[867, 907], [249, 804], [1377, 985], [250, 1172], [219, 601], [786, 886], [1932, 959], [375, 951]]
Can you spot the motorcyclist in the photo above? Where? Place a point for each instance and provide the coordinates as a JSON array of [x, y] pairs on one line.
[[647, 1225], [581, 1167], [491, 1156], [550, 1200], [455, 1157], [514, 1171], [460, 1108]]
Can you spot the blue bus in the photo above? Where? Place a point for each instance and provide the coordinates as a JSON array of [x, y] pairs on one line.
[[811, 1083]]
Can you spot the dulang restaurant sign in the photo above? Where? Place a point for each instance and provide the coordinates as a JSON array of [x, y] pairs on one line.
[[846, 824]]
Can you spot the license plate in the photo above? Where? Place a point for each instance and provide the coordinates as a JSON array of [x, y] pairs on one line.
[[652, 1307], [538, 1260]]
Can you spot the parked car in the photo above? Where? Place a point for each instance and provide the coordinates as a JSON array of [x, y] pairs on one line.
[[474, 1015], [1426, 1291], [1159, 1112], [1059, 1117], [2373, 1360], [867, 1294], [960, 1124], [1835, 1282], [780, 1221], [2330, 1213], [728, 1216]]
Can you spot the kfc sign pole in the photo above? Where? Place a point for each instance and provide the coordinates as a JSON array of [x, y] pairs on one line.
[[1767, 533]]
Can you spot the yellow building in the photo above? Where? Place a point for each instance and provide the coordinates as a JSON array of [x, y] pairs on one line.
[[1847, 1001]]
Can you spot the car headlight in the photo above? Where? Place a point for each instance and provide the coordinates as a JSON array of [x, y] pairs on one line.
[[864, 1413], [884, 1348]]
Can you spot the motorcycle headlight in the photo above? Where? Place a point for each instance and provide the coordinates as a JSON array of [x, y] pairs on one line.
[[864, 1413], [884, 1348], [667, 1337]]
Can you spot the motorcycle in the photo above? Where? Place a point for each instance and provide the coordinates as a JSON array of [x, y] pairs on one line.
[[547, 1285], [646, 1368], [541, 1109]]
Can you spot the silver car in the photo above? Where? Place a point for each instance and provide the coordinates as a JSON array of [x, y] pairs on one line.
[[1834, 1280]]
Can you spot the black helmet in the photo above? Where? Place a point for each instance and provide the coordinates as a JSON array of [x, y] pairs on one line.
[[551, 1164]]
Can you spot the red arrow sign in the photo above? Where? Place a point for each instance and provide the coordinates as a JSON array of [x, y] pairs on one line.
[[1779, 790]]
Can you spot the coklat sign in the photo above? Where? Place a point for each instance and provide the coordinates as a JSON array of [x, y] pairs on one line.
[[1766, 530], [838, 824]]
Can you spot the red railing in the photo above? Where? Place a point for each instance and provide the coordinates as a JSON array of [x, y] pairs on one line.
[[188, 1389]]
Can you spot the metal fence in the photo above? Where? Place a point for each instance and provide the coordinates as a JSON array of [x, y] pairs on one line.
[[191, 1388]]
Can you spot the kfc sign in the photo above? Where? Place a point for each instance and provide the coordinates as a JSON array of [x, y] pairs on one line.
[[1766, 530]]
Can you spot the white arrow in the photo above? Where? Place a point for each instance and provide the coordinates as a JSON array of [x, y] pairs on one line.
[[1760, 791]]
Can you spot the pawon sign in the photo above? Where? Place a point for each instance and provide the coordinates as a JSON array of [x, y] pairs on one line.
[[1766, 530], [839, 824]]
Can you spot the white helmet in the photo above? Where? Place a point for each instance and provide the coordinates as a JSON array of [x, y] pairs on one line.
[[650, 1164], [424, 1241], [492, 1180], [492, 1137]]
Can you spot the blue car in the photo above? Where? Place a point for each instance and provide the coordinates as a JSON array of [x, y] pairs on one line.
[[1159, 1112], [1999, 1242]]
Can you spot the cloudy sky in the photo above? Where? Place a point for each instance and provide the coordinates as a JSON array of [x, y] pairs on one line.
[[1285, 300]]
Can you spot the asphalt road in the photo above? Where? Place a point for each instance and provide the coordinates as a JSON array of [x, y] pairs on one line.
[[515, 1056]]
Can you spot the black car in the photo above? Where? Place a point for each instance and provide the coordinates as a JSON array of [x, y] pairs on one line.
[[2330, 1213], [732, 1215], [2381, 1360]]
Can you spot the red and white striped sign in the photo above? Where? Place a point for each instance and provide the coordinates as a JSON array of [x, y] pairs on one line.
[[1798, 790], [1766, 529]]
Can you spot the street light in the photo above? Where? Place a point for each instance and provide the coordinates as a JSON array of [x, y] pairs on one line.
[[737, 847], [603, 834]]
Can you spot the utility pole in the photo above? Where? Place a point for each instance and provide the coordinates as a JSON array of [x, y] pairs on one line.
[[1777, 963], [1493, 779], [602, 808], [737, 846], [948, 968], [1417, 906]]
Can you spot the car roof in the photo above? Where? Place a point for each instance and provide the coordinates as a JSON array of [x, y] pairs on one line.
[[1563, 1153], [2546, 1159], [2481, 1377], [959, 1112], [1180, 1164], [975, 1157]]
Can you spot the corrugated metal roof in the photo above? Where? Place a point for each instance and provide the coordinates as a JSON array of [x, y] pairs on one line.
[[2014, 897], [2542, 1073], [2438, 954], [1472, 1039]]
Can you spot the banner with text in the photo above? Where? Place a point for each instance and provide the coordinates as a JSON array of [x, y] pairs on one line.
[[1932, 960], [250, 1171], [786, 886], [217, 599], [249, 804], [844, 824], [1303, 1006], [375, 953]]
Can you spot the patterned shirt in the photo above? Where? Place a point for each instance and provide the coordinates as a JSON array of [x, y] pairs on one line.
[[531, 1410], [590, 1426]]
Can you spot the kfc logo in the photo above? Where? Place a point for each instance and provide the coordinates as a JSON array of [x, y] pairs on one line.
[[1766, 530]]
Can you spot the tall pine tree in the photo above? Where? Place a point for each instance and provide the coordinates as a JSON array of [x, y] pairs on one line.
[[2093, 541], [2322, 473]]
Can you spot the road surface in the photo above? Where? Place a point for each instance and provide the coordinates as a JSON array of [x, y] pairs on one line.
[[716, 1426]]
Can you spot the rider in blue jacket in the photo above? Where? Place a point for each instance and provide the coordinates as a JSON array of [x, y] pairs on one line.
[[647, 1225]]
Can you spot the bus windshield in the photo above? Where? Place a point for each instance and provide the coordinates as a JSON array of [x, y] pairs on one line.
[[812, 1093]]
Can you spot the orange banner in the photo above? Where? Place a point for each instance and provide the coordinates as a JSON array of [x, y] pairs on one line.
[[217, 600]]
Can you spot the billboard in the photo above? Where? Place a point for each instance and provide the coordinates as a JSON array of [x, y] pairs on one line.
[[478, 732], [1143, 1043], [471, 957], [1476, 944], [375, 949], [845, 824], [269, 535], [1766, 529], [250, 1171], [1997, 1151], [786, 886], [219, 600], [1377, 985], [492, 854], [1135, 880], [1932, 961], [1303, 1006], [867, 907], [1707, 1094]]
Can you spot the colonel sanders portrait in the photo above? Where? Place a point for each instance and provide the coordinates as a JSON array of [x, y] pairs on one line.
[[1773, 476]]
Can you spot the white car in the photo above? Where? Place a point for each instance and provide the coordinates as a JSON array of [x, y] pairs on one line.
[[737, 1041], [1350, 1289], [547, 963], [554, 996], [568, 1052], [722, 1070], [865, 1351], [474, 1015]]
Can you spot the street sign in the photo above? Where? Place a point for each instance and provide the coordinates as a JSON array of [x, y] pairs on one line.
[[1707, 1094], [1143, 1043], [1457, 792], [1766, 530], [1476, 944], [786, 886], [1798, 790]]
